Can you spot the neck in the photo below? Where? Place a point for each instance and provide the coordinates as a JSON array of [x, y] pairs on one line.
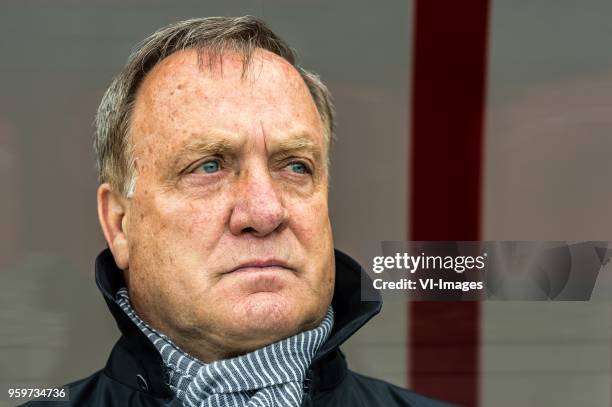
[[208, 346]]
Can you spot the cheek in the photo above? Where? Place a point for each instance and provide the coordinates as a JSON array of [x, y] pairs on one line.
[[178, 219], [311, 226], [172, 238], [310, 219]]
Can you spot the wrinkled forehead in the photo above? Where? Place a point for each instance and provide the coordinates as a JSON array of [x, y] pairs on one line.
[[186, 96]]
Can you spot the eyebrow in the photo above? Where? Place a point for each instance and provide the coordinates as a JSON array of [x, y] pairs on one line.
[[212, 146], [295, 143]]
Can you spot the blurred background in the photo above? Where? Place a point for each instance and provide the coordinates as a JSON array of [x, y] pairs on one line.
[[470, 120]]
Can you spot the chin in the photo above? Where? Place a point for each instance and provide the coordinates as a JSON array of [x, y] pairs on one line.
[[268, 317]]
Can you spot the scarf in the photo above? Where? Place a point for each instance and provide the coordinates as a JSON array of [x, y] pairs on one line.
[[270, 376]]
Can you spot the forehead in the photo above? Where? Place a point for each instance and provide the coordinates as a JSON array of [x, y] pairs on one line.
[[182, 98]]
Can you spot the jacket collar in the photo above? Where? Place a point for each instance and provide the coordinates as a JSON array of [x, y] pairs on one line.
[[350, 314]]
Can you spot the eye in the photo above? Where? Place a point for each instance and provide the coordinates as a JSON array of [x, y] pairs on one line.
[[209, 166], [299, 168]]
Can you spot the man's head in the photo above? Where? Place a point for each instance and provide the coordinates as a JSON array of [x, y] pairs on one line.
[[212, 152]]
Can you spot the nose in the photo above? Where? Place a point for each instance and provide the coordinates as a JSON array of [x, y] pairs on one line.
[[258, 208]]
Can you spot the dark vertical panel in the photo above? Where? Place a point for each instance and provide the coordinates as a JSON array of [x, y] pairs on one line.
[[448, 97]]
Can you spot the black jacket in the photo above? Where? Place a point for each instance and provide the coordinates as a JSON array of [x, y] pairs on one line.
[[135, 376]]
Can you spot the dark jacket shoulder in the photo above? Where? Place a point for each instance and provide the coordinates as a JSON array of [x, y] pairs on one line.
[[99, 389], [362, 391]]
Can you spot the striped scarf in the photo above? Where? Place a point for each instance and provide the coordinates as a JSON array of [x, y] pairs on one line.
[[270, 376]]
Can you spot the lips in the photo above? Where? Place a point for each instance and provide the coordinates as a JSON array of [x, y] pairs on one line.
[[256, 265]]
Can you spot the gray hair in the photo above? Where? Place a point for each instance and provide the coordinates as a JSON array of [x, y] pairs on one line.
[[212, 36]]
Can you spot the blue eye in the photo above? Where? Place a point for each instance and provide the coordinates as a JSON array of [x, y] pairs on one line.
[[210, 166], [299, 168]]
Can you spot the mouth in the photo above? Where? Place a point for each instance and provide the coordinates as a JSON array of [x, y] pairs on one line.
[[262, 265]]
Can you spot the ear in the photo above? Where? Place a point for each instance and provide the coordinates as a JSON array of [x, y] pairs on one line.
[[112, 211]]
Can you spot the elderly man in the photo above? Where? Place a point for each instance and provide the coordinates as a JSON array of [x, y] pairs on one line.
[[212, 148]]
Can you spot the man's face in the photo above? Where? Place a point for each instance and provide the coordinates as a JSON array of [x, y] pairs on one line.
[[230, 244]]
